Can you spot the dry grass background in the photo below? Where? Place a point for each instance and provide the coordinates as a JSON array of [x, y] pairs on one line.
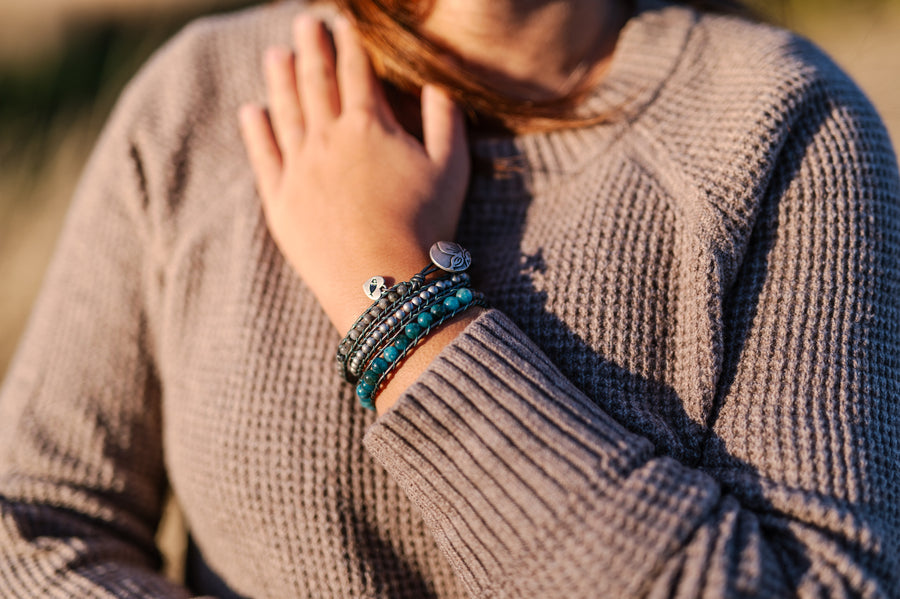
[[43, 150]]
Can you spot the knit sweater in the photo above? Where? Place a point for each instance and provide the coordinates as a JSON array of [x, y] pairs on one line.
[[687, 384]]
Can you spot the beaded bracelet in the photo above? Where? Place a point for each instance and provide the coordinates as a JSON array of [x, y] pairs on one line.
[[401, 316], [406, 338], [445, 256], [395, 317]]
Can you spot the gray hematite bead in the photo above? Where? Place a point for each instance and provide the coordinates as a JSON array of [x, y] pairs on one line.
[[425, 295], [383, 327], [398, 314], [455, 278], [366, 319], [370, 342], [393, 296], [416, 301], [392, 321], [376, 312], [433, 289], [406, 307], [383, 303], [401, 289]]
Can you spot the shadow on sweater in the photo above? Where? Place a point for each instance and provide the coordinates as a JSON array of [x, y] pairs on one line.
[[648, 407]]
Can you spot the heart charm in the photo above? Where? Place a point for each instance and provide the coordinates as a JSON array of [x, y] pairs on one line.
[[374, 287]]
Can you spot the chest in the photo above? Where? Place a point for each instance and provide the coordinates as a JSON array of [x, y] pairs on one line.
[[263, 441]]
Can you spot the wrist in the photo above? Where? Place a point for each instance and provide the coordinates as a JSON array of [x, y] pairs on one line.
[[346, 297]]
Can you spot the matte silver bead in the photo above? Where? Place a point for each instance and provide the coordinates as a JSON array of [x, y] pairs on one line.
[[416, 301], [425, 295], [392, 321], [406, 307], [434, 289]]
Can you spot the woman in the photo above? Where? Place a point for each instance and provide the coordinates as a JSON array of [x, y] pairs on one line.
[[685, 383]]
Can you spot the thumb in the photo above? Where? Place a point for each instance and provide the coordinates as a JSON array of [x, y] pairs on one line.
[[444, 131]]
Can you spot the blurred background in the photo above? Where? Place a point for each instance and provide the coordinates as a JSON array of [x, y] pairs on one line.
[[64, 62]]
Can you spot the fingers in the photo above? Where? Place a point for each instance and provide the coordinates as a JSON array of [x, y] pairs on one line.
[[443, 129], [319, 99], [262, 149], [356, 79], [284, 103]]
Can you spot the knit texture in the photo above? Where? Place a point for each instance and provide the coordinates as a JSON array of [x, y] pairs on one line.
[[687, 387]]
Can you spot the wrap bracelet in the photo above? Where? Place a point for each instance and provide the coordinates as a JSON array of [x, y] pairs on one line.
[[397, 315], [406, 338], [402, 315]]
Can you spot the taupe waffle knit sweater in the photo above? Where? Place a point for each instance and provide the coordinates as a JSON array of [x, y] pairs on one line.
[[688, 385]]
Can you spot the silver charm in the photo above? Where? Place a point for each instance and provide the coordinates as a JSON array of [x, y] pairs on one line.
[[374, 287], [450, 256]]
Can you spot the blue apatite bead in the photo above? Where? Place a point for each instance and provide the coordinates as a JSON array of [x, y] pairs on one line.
[[364, 390], [437, 310], [370, 377], [412, 330], [451, 304], [390, 353], [378, 365], [464, 296], [425, 319], [402, 342]]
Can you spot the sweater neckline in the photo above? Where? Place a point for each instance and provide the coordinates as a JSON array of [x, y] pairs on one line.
[[646, 55]]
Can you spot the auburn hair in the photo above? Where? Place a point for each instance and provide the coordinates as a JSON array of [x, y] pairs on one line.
[[408, 60]]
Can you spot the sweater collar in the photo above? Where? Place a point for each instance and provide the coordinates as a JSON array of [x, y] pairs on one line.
[[647, 53]]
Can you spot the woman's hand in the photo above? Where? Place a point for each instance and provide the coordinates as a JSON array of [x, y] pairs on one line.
[[347, 192]]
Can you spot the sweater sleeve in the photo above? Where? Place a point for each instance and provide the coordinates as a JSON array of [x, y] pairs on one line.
[[81, 469], [532, 490]]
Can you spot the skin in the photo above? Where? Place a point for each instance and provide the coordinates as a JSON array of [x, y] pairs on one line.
[[346, 191]]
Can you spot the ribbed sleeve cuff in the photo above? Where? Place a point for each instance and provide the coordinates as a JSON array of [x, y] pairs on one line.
[[509, 462]]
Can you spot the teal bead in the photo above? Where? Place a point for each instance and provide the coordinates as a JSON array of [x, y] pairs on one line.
[[366, 402], [412, 330], [378, 365], [451, 304], [437, 310], [364, 390], [464, 296], [390, 353], [370, 377], [402, 342], [425, 319]]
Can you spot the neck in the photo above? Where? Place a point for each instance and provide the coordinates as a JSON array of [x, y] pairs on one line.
[[532, 49]]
